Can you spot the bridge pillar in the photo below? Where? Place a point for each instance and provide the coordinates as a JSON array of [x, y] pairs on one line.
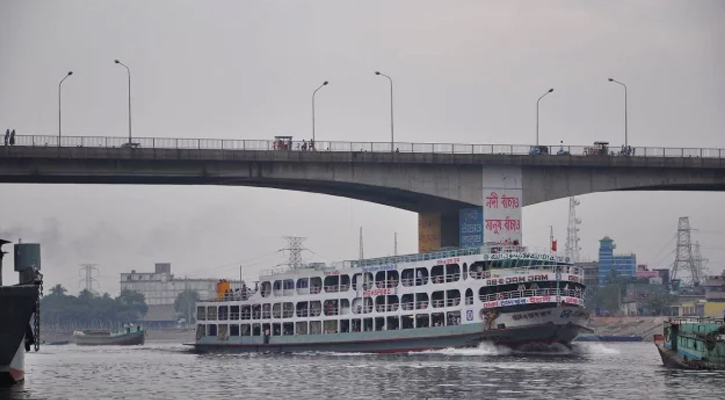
[[437, 229]]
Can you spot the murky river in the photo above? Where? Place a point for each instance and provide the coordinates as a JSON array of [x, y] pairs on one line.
[[168, 371]]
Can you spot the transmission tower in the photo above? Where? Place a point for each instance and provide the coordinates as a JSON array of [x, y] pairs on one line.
[[572, 232], [700, 262], [88, 280], [684, 267], [294, 247]]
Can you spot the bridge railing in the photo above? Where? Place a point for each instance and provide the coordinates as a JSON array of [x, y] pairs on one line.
[[374, 147]]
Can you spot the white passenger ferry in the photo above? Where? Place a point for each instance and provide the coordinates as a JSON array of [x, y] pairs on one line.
[[456, 298]]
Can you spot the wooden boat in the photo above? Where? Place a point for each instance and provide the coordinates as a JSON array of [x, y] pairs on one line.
[[692, 343], [127, 336]]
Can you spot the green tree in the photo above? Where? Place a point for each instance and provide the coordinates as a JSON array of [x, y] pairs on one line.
[[58, 290], [658, 302], [89, 310], [131, 305], [185, 304]]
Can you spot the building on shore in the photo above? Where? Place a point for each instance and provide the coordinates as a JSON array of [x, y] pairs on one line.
[[591, 273], [161, 288], [625, 265]]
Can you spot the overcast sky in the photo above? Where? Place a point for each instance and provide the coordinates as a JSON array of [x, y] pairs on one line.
[[464, 71]]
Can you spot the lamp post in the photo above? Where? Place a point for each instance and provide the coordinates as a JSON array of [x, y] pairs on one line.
[[625, 109], [313, 109], [129, 98], [537, 114], [60, 115], [392, 126]]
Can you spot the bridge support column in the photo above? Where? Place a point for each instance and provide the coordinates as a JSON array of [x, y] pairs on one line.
[[437, 229]]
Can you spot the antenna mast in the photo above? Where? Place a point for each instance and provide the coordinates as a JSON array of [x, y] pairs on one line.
[[684, 264], [572, 232]]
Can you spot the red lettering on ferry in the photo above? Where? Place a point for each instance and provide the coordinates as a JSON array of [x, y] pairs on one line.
[[376, 292]]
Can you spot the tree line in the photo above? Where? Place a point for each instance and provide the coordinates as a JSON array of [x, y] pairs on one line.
[[89, 309]]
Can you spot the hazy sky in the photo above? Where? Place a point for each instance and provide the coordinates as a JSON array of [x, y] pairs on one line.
[[464, 71]]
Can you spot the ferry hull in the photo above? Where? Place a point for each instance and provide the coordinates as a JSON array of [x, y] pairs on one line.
[[130, 339], [461, 336], [673, 359], [18, 303]]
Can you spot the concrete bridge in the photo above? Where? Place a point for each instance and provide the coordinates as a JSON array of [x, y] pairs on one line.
[[437, 181]]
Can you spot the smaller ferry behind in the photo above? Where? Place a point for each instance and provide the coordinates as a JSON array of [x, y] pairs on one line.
[[692, 343], [129, 335]]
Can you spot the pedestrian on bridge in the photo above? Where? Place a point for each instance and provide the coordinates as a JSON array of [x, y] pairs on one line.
[[12, 137], [7, 136]]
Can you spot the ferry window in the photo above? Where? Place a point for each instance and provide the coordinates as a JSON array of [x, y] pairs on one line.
[[407, 321], [266, 330], [421, 301], [408, 302], [356, 325], [344, 326], [380, 281], [211, 313], [302, 309], [469, 296], [393, 302], [234, 313], [345, 306], [266, 314], [256, 330], [315, 308], [438, 299], [453, 298], [380, 303], [303, 286], [288, 310], [465, 271], [246, 312], [408, 277], [379, 323], [332, 284], [344, 283], [212, 330], [200, 331], [289, 285], [438, 319], [245, 330], [234, 330], [332, 307], [256, 311], [453, 318], [301, 328], [276, 329], [315, 285], [288, 328], [315, 327], [200, 313], [393, 279], [393, 323], [277, 288], [436, 274], [453, 272], [422, 321], [368, 324], [421, 276], [330, 326], [477, 270], [266, 288]]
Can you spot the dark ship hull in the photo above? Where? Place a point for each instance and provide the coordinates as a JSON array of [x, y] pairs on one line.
[[18, 304]]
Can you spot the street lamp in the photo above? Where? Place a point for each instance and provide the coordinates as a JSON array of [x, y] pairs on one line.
[[392, 127], [129, 98], [537, 114], [313, 109], [625, 109], [60, 115]]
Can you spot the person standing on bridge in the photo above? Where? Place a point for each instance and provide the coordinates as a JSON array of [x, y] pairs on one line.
[[12, 137], [7, 136]]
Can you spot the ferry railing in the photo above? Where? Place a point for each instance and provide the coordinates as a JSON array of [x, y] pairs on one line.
[[332, 311], [234, 316], [332, 289], [287, 314], [315, 312], [469, 300], [453, 302], [516, 294], [302, 313]]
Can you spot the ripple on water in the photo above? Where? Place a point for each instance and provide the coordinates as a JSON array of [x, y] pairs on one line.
[[167, 371]]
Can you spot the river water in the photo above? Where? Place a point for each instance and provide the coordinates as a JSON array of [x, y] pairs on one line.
[[169, 371]]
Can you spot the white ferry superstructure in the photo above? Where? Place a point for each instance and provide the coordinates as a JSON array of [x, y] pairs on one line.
[[504, 295]]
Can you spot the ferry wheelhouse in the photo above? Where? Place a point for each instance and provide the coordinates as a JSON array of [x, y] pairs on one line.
[[455, 298]]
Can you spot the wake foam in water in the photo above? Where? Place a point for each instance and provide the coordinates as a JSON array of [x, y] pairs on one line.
[[594, 348], [483, 349]]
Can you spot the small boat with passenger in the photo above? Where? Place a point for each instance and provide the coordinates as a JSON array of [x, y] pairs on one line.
[[129, 335], [692, 343]]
